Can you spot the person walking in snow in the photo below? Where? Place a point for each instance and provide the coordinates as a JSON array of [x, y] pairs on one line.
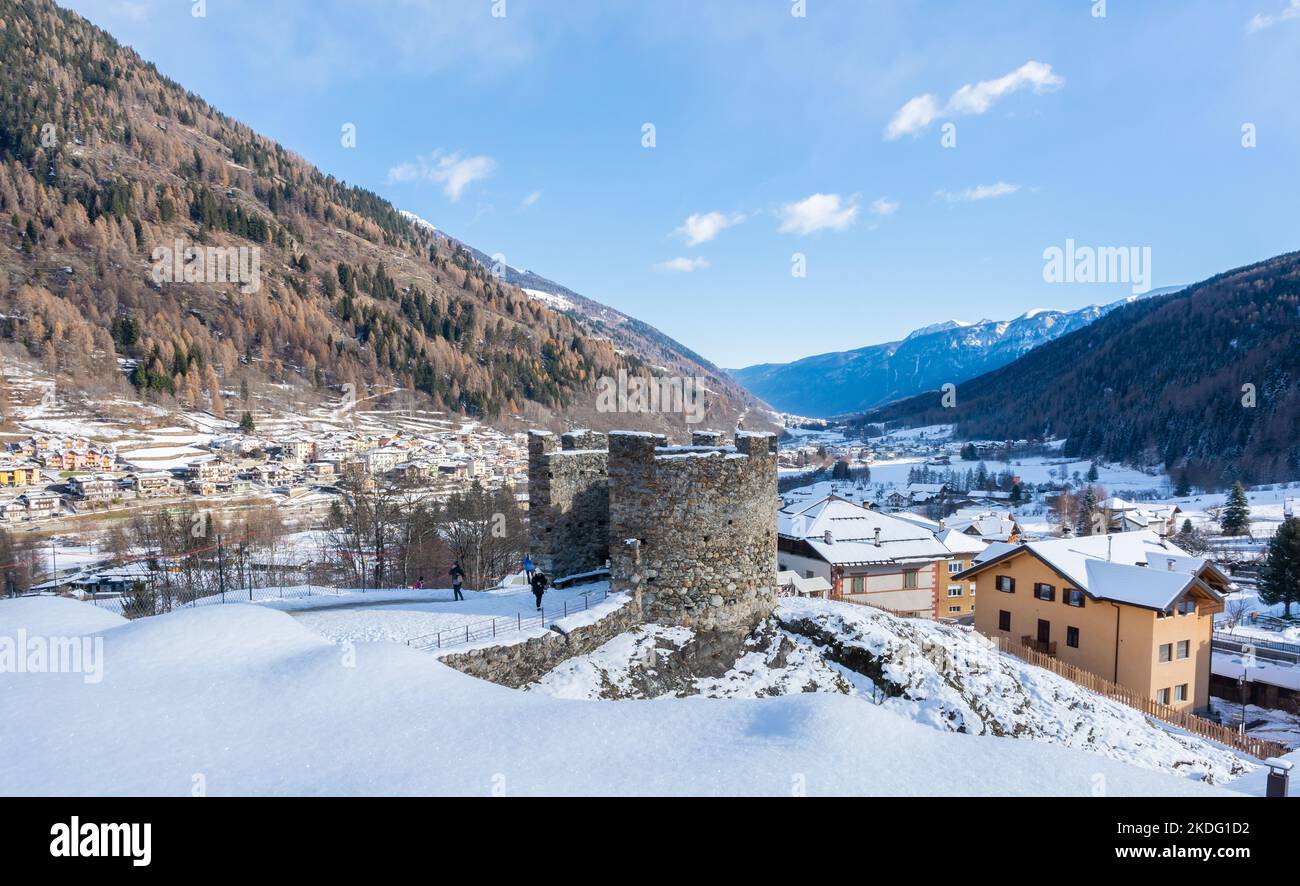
[[539, 583], [457, 579], [419, 583], [528, 568]]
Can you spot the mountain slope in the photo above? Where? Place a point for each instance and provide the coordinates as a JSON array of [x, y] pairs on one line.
[[104, 163], [663, 354], [851, 381], [1158, 381]]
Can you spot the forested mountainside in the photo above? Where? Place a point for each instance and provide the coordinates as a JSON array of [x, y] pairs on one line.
[[1206, 380], [103, 161]]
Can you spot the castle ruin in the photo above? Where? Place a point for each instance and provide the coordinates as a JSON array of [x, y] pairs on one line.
[[690, 531]]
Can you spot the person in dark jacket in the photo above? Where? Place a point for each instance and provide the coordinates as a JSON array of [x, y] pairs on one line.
[[539, 582], [457, 579]]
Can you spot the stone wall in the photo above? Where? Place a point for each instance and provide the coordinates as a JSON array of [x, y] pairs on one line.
[[568, 502], [522, 663], [693, 528]]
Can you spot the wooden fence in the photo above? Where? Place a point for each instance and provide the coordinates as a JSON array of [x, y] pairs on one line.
[[1256, 747]]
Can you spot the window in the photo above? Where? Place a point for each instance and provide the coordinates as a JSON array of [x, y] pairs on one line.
[[1166, 651], [972, 589], [1072, 597], [954, 566], [1044, 592], [1004, 620], [1162, 696], [807, 573], [910, 578], [1184, 648], [1072, 638], [1180, 692], [1187, 607], [858, 585], [954, 609], [954, 590], [1006, 584]]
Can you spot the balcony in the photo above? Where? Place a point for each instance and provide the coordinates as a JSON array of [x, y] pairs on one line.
[[1047, 647]]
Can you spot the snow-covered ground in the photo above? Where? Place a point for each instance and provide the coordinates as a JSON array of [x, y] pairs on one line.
[[243, 699], [945, 677]]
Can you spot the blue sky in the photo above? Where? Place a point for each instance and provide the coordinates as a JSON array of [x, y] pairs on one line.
[[777, 134]]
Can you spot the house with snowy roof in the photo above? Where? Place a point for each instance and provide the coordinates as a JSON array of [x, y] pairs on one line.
[[1130, 607], [867, 556], [1126, 516], [988, 526]]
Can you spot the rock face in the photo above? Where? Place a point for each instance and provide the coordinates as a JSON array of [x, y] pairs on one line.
[[689, 531], [568, 502]]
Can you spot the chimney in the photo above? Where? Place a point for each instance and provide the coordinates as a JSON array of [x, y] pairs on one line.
[[1170, 563], [828, 538], [877, 536], [1109, 540]]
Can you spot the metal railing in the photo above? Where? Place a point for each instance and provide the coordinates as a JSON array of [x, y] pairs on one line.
[[1227, 637], [491, 628]]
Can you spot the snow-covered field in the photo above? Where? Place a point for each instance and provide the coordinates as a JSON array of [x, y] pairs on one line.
[[246, 700]]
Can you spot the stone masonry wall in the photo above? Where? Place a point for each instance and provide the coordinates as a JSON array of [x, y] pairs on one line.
[[693, 528], [522, 663], [568, 502]]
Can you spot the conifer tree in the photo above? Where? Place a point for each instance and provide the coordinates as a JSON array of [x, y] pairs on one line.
[[1280, 573], [1235, 519]]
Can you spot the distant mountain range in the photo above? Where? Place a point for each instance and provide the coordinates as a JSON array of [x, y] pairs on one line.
[[952, 351], [1205, 381]]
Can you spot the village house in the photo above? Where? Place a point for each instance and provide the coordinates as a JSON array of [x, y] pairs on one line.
[[380, 461], [19, 473], [1125, 516], [151, 484], [1129, 607], [94, 487], [866, 556], [988, 526], [31, 507], [955, 597], [297, 450]]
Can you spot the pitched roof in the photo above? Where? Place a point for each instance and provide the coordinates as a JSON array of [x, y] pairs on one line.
[[1138, 568], [853, 536]]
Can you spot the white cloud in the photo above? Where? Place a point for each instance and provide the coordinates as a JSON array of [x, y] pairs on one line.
[[701, 228], [530, 199], [820, 212], [682, 265], [884, 206], [918, 113], [980, 192], [913, 117], [452, 171], [1262, 21]]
